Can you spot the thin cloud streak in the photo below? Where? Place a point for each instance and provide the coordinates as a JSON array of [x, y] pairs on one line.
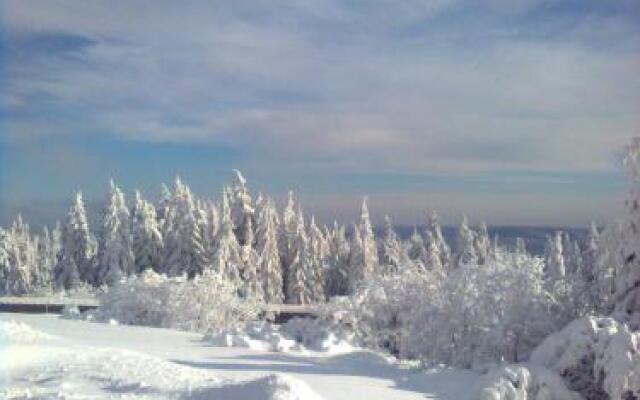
[[329, 88]]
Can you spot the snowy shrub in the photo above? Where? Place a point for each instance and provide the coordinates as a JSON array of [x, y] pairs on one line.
[[490, 313], [381, 310], [71, 312], [524, 383], [318, 334], [298, 334], [596, 357], [206, 303], [477, 314]]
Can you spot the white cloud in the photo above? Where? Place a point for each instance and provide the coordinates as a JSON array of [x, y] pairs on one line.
[[397, 86]]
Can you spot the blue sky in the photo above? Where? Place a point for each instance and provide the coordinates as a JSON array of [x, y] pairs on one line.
[[513, 111]]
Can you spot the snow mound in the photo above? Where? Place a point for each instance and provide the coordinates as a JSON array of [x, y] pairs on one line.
[[12, 332], [597, 357], [272, 387], [42, 368], [524, 383], [592, 358], [298, 335], [71, 312]]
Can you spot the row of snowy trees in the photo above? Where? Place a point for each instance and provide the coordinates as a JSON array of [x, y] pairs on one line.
[[277, 256]]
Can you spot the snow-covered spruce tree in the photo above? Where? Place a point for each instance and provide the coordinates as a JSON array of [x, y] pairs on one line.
[[417, 252], [227, 259], [337, 276], [318, 248], [300, 277], [21, 257], [115, 254], [465, 245], [356, 257], [590, 253], [76, 252], [183, 249], [572, 255], [44, 261], [608, 264], [521, 246], [209, 224], [393, 253], [287, 241], [252, 287], [146, 236], [267, 247], [369, 247], [4, 261], [482, 243], [241, 207], [433, 262], [554, 257], [627, 283], [363, 260], [433, 225], [164, 204]]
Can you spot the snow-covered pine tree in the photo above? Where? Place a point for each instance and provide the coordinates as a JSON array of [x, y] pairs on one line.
[[76, 250], [417, 251], [252, 287], [554, 268], [209, 225], [146, 236], [227, 259], [433, 262], [465, 248], [521, 246], [21, 259], [627, 282], [572, 255], [319, 252], [115, 254], [483, 244], [287, 240], [267, 247], [356, 260], [363, 260], [393, 254], [590, 269], [301, 269], [590, 254], [4, 261], [164, 204], [433, 225], [241, 207], [337, 276], [44, 262], [184, 251]]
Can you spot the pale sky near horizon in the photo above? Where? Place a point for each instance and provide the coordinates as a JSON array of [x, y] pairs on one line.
[[511, 111]]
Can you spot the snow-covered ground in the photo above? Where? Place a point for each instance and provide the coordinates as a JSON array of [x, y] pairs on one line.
[[44, 356]]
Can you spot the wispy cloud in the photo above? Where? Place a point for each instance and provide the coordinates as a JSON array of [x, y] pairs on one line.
[[326, 87]]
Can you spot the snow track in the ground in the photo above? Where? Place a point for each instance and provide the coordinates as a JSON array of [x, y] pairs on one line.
[[51, 357]]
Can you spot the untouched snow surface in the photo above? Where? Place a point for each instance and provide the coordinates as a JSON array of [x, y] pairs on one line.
[[44, 356]]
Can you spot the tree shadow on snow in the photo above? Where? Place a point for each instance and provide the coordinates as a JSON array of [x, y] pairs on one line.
[[438, 383]]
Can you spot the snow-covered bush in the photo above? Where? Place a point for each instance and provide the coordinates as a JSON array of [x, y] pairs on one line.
[[592, 358], [524, 383], [476, 314], [206, 303], [596, 356], [381, 310], [298, 334]]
